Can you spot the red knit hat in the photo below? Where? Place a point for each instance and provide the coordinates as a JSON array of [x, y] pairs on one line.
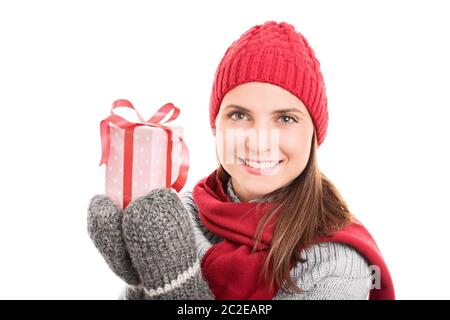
[[274, 53]]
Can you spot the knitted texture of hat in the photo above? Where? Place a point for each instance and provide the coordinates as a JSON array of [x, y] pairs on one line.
[[278, 54]]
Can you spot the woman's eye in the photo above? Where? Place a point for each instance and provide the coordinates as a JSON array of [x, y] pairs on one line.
[[236, 115], [232, 115], [289, 119]]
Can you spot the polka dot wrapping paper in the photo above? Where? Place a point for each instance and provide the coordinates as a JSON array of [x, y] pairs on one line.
[[149, 161], [142, 156]]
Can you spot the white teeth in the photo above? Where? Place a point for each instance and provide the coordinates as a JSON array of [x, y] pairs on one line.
[[260, 165]]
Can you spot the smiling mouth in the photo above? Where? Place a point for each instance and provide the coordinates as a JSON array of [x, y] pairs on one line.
[[259, 164]]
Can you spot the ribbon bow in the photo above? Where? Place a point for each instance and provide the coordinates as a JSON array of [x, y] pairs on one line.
[[154, 121]]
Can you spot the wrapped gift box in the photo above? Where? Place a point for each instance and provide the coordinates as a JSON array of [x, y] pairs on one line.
[[138, 159]]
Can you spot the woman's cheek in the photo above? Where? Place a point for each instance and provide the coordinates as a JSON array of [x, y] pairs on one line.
[[293, 143]]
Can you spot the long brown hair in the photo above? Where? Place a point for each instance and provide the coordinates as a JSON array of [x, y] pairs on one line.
[[310, 206]]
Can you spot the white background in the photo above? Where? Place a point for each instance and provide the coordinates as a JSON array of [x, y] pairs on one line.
[[62, 63]]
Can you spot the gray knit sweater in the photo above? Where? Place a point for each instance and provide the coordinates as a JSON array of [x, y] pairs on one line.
[[332, 271]]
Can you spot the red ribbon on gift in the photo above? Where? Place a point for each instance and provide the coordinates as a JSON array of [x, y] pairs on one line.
[[154, 121]]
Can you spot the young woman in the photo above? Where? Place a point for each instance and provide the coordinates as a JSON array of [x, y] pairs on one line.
[[266, 224]]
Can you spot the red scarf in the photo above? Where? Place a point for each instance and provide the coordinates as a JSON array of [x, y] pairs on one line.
[[230, 268]]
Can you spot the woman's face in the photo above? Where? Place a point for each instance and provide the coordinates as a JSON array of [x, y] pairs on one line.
[[264, 134]]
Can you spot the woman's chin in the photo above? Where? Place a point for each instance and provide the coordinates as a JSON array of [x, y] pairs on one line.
[[255, 189]]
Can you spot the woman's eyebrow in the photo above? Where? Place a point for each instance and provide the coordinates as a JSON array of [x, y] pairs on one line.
[[238, 107]]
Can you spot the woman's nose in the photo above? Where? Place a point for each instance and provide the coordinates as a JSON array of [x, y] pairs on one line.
[[263, 139]]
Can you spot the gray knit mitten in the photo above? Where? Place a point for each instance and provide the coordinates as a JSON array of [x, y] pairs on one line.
[[105, 229], [151, 246], [160, 240]]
